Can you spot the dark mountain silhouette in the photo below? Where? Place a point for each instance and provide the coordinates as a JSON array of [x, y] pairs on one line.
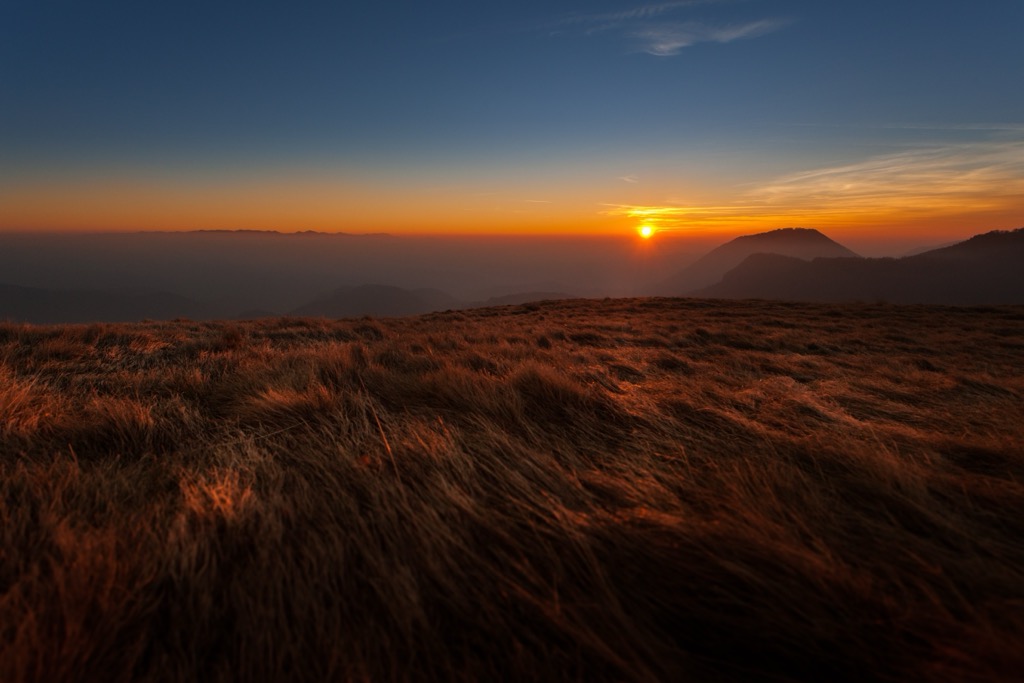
[[45, 306], [986, 269], [998, 246], [35, 305], [235, 271], [801, 243], [923, 249], [123, 278]]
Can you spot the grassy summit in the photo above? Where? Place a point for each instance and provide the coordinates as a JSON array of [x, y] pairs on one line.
[[576, 490]]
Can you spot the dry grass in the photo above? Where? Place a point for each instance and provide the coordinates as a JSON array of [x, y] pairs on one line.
[[618, 490]]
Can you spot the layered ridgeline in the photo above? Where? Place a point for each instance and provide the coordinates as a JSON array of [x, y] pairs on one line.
[[986, 269], [799, 243], [243, 275], [55, 306], [232, 274]]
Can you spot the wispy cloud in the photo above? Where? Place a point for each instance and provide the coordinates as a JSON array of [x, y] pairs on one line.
[[923, 183], [629, 179], [666, 40], [658, 33], [939, 127], [975, 175], [634, 14]]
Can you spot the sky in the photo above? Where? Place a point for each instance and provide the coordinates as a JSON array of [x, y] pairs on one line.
[[876, 120]]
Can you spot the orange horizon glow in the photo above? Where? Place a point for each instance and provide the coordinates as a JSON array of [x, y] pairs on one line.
[[935, 194], [44, 209], [79, 212]]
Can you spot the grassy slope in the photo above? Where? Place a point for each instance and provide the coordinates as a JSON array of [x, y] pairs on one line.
[[620, 490]]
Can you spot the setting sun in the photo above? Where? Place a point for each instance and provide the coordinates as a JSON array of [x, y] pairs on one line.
[[646, 231]]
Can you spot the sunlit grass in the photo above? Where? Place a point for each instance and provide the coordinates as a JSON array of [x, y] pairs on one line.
[[582, 490]]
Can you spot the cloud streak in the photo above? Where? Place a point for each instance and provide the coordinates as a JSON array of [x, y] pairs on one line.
[[637, 13], [667, 40], [650, 26], [925, 183], [976, 175]]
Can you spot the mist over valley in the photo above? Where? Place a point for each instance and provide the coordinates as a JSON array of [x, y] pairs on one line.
[[58, 278]]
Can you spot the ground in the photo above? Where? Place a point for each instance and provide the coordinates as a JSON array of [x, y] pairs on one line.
[[628, 489]]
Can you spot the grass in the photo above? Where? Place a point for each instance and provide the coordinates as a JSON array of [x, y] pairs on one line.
[[628, 490]]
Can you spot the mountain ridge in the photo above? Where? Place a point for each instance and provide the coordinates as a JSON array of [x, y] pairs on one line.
[[803, 243], [985, 269]]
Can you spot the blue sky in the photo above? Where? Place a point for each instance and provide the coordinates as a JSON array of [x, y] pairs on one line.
[[592, 104]]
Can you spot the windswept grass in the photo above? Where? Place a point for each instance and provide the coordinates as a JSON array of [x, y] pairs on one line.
[[620, 490]]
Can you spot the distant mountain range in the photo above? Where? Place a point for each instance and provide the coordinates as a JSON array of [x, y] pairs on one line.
[[46, 306], [800, 243], [793, 263], [986, 269]]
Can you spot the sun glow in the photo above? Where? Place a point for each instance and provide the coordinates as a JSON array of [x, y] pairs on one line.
[[646, 231]]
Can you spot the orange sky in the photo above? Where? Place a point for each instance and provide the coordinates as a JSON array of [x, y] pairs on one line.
[[875, 123], [917, 196]]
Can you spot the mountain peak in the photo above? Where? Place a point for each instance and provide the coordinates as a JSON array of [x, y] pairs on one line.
[[790, 236], [994, 240], [783, 232], [983, 270], [800, 243]]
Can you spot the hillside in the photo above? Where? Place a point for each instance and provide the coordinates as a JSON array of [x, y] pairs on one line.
[[615, 490], [998, 246], [801, 243], [986, 269]]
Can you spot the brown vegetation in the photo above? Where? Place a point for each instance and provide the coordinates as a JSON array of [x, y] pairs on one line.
[[617, 490]]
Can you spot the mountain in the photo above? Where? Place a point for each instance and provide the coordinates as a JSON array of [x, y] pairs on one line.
[[986, 269], [235, 271], [931, 247], [801, 243], [999, 246], [36, 305]]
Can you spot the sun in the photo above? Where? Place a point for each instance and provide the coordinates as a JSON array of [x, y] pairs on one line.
[[646, 232]]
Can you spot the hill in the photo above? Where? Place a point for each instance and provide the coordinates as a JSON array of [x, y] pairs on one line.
[[616, 490], [998, 247], [986, 269], [801, 243]]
